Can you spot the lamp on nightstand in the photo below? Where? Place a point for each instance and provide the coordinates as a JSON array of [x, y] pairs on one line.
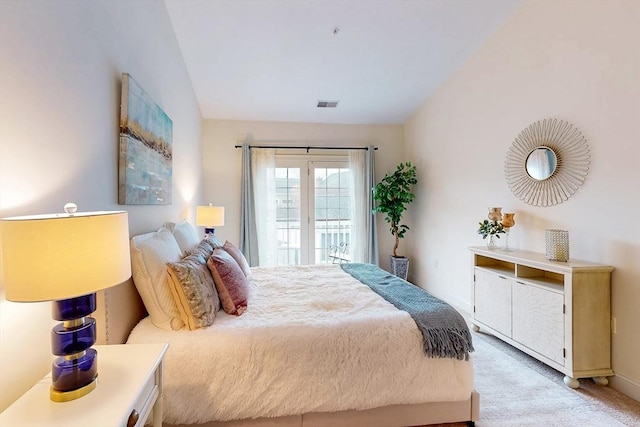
[[66, 258], [209, 217]]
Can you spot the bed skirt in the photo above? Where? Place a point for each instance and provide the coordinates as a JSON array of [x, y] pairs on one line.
[[389, 416]]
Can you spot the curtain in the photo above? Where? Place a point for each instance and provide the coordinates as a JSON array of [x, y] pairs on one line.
[[248, 231], [263, 170], [258, 239], [364, 242]]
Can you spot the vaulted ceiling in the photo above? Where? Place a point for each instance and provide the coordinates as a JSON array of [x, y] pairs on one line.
[[273, 60]]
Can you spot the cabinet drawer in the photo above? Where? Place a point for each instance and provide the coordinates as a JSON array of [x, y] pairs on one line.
[[142, 408]]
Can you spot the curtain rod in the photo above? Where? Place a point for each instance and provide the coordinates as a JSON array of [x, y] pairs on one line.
[[308, 147]]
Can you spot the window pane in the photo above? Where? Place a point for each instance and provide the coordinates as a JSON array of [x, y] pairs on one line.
[[288, 215], [332, 208]]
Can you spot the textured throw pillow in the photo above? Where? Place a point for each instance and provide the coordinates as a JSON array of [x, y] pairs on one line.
[[238, 256], [213, 240], [150, 254], [185, 234], [194, 291], [204, 248], [231, 283]]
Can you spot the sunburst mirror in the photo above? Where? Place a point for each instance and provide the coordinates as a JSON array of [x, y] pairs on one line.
[[547, 163]]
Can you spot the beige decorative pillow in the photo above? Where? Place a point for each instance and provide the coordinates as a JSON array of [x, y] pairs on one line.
[[194, 291], [239, 257], [185, 234], [231, 283], [150, 254]]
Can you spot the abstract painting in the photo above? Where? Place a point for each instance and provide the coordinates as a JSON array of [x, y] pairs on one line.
[[146, 134]]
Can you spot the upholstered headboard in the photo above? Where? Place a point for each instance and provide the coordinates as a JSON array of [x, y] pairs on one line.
[[118, 310]]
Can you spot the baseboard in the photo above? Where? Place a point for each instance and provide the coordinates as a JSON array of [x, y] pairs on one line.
[[626, 386]]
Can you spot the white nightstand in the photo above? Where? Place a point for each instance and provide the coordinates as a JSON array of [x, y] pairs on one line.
[[129, 383]]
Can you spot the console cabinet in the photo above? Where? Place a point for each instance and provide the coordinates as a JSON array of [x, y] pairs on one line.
[[557, 312]]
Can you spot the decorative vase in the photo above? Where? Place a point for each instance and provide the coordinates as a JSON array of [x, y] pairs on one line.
[[491, 243], [399, 266]]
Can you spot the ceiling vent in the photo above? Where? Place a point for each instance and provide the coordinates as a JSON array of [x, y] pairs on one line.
[[327, 104]]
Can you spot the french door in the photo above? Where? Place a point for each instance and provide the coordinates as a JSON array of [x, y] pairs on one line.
[[313, 209]]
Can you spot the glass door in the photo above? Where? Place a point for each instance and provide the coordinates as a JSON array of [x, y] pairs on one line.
[[332, 211], [313, 214]]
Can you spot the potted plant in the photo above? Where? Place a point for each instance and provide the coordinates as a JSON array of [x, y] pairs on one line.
[[490, 228], [392, 195]]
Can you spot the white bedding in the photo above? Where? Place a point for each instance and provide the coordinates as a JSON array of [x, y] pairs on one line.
[[313, 339]]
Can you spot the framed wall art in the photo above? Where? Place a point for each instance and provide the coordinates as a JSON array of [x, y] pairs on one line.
[[146, 134]]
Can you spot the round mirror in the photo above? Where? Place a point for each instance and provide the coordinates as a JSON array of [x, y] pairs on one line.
[[541, 163], [547, 162]]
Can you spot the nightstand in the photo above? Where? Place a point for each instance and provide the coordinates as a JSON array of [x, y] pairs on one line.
[[129, 388]]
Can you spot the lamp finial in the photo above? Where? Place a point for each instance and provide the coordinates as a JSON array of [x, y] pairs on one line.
[[70, 208]]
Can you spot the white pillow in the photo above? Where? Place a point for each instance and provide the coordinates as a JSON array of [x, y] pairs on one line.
[[150, 254], [186, 235]]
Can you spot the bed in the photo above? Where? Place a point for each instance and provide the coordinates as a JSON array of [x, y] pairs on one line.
[[315, 346]]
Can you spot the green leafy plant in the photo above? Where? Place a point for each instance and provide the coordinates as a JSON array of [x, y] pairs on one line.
[[490, 228], [392, 195]]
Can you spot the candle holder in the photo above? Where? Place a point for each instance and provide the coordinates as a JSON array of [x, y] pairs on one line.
[[495, 214], [508, 221], [557, 245]]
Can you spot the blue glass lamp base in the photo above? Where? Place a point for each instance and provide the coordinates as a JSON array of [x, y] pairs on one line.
[[74, 376], [74, 372]]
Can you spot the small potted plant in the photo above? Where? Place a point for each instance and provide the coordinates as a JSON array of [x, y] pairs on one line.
[[492, 229], [392, 195]]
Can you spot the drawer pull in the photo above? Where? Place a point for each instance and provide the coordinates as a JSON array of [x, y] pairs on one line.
[[502, 277], [133, 418]]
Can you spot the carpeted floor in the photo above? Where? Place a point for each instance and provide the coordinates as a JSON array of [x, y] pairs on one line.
[[517, 390]]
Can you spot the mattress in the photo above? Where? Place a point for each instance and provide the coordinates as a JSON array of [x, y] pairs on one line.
[[313, 339]]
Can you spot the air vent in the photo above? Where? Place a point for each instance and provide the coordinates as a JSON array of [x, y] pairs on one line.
[[327, 104]]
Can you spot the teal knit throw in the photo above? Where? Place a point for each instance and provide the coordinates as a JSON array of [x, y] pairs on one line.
[[444, 330]]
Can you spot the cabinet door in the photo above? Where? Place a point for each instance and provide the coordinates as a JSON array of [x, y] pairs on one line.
[[538, 320], [492, 301]]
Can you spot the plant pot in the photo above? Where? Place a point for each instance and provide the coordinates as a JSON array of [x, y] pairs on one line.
[[399, 266]]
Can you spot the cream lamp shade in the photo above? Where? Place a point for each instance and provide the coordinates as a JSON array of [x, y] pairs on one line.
[[210, 216], [61, 256]]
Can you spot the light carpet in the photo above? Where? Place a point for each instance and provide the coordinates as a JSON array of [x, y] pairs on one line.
[[517, 390]]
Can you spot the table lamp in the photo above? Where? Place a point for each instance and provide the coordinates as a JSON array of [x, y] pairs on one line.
[[209, 217], [66, 258]]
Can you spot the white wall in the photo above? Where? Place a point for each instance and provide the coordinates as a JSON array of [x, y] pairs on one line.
[[222, 162], [573, 61], [60, 71]]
